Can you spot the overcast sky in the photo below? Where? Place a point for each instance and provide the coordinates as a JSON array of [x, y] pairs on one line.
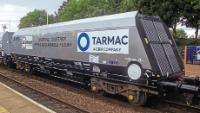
[[12, 10]]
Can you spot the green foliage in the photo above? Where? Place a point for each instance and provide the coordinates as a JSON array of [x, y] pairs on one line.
[[169, 10], [181, 42], [128, 5], [180, 33], [35, 18], [191, 16], [77, 9]]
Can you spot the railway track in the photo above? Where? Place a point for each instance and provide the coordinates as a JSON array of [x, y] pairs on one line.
[[189, 108], [51, 102], [16, 80], [74, 94]]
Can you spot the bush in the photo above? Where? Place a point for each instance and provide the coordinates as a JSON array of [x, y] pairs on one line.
[[182, 42], [187, 42]]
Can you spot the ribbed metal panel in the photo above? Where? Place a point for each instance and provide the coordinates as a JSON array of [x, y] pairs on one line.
[[161, 59], [161, 32], [172, 58], [167, 47], [150, 30], [161, 46]]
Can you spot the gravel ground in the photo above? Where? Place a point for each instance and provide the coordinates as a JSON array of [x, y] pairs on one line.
[[84, 101]]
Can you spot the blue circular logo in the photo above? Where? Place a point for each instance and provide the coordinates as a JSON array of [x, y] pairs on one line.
[[83, 47]]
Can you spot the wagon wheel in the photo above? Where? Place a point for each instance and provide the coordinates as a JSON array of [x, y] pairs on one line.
[[5, 62], [140, 99], [27, 68], [17, 65], [143, 98]]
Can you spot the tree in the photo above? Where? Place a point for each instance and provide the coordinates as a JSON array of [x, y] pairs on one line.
[[191, 16], [72, 10], [128, 5], [35, 18], [180, 33], [169, 10], [114, 6], [52, 18], [77, 9]]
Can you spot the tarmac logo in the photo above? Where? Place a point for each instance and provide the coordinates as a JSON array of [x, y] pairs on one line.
[[107, 41], [83, 41]]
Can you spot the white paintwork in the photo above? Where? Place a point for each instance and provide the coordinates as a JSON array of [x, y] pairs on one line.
[[25, 44], [83, 41], [2, 53], [134, 71], [106, 48], [93, 58]]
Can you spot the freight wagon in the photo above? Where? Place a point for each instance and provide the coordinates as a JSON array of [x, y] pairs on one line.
[[129, 54]]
